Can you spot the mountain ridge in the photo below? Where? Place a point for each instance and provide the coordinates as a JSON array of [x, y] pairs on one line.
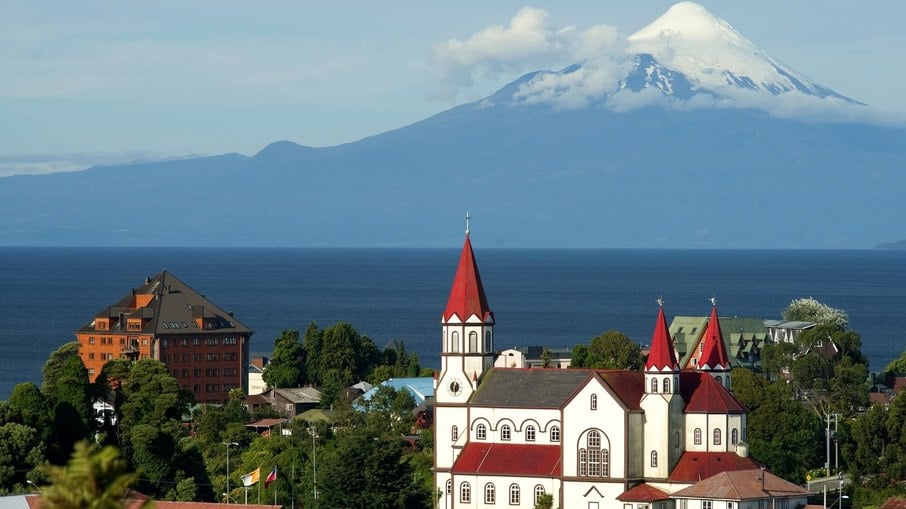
[[641, 165]]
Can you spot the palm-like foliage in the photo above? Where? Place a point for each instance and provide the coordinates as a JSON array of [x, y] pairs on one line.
[[95, 478]]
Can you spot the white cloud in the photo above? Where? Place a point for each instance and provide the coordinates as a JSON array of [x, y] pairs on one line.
[[529, 42]]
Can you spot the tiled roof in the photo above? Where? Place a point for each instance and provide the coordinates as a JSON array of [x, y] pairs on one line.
[[742, 485], [172, 309], [714, 355], [703, 394], [488, 458], [467, 294], [421, 388], [627, 386], [299, 395], [661, 357], [894, 503], [528, 387], [642, 493], [693, 467]]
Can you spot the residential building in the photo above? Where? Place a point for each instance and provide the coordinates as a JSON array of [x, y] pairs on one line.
[[591, 438], [292, 401], [743, 339], [204, 347], [786, 331], [533, 357]]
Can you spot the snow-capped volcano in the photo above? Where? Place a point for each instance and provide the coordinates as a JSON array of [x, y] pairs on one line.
[[685, 52], [712, 55]]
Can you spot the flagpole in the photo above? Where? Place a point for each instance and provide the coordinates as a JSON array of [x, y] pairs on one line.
[[259, 491], [246, 495]]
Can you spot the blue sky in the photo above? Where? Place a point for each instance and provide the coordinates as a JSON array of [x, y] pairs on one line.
[[94, 82]]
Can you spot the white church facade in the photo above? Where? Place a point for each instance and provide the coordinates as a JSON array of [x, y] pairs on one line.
[[592, 439]]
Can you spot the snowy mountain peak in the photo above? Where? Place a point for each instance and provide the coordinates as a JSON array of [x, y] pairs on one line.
[[714, 56]]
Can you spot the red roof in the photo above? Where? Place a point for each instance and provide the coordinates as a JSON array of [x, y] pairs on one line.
[[696, 466], [467, 295], [703, 394], [661, 357], [642, 493], [714, 355], [627, 386], [508, 459]]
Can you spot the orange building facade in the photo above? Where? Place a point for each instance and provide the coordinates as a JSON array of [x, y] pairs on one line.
[[204, 347]]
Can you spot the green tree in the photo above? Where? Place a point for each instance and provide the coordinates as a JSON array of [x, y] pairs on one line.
[[782, 433], [611, 350], [69, 395], [30, 407], [545, 501], [390, 411], [545, 358], [811, 310], [776, 357], [94, 478], [896, 366], [375, 465], [338, 356], [287, 366], [21, 451]]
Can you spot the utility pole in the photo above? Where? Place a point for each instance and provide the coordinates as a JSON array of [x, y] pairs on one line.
[[228, 444]]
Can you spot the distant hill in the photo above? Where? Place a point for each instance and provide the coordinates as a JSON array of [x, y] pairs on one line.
[[900, 244], [738, 155]]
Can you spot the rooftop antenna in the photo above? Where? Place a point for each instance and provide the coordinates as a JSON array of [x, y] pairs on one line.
[[468, 217]]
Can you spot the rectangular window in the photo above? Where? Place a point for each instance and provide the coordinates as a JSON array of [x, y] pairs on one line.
[[707, 504]]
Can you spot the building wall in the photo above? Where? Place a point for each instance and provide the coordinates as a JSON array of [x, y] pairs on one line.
[[207, 364], [502, 485], [609, 418]]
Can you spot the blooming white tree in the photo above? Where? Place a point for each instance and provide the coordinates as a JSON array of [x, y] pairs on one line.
[[811, 310]]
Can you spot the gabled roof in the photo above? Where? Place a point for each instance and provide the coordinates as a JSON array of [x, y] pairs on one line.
[[299, 395], [693, 466], [741, 485], [714, 355], [703, 394], [467, 294], [488, 458], [642, 493], [662, 357], [627, 386], [529, 387]]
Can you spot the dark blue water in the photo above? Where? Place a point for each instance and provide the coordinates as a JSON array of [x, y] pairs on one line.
[[552, 297]]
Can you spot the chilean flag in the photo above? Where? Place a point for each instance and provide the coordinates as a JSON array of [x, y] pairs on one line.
[[271, 477]]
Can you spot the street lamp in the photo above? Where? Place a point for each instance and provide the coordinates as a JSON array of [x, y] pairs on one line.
[[228, 444], [37, 488], [314, 463]]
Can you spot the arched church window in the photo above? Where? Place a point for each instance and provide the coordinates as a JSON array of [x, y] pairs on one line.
[[716, 436], [473, 341], [555, 433], [720, 380], [465, 493], [734, 436], [454, 433], [487, 341], [449, 486], [514, 494], [490, 494], [539, 490], [698, 436], [529, 433], [653, 458], [454, 342], [594, 460], [505, 432], [593, 401], [667, 385], [481, 432], [654, 385]]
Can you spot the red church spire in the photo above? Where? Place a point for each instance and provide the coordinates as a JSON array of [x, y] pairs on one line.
[[467, 295], [662, 357], [714, 354]]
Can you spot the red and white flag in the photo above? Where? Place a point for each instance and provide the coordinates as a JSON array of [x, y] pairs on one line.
[[271, 477]]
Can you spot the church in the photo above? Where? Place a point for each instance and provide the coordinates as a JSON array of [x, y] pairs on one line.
[[591, 439]]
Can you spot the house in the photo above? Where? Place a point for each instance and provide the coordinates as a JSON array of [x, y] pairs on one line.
[[204, 347], [532, 357], [421, 388], [742, 489], [256, 374], [786, 331], [744, 339], [294, 400], [590, 438]]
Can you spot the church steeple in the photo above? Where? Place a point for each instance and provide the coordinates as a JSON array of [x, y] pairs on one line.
[[662, 356], [714, 359], [467, 296], [467, 351]]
